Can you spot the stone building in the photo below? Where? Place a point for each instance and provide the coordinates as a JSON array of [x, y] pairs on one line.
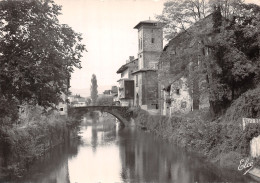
[[178, 88], [126, 82], [150, 46]]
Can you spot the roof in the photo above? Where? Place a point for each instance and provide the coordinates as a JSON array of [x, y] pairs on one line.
[[146, 22], [125, 79], [125, 66], [178, 35], [176, 78], [144, 70]]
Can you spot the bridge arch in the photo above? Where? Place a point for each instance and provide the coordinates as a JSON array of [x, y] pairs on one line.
[[123, 114]]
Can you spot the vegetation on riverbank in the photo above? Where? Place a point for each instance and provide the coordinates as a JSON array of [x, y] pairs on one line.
[[38, 55], [221, 139], [36, 134]]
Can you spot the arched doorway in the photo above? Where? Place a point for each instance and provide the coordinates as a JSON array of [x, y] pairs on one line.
[[137, 100]]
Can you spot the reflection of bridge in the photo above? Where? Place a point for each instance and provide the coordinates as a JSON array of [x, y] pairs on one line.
[[123, 114]]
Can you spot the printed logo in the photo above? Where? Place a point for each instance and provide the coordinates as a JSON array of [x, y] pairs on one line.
[[244, 164]]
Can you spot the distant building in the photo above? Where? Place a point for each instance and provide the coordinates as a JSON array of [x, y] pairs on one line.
[[150, 46], [77, 101], [63, 106], [107, 92], [113, 91]]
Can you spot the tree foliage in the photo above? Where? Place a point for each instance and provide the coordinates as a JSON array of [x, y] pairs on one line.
[[37, 53], [105, 101], [179, 15], [93, 89], [235, 51]]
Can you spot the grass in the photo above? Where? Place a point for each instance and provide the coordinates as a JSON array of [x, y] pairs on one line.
[[221, 140]]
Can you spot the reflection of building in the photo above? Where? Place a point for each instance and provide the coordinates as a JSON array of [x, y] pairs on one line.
[[126, 83], [150, 46]]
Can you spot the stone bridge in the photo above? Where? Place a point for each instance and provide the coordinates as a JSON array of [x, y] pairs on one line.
[[123, 114]]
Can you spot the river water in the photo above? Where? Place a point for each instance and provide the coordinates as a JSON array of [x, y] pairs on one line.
[[116, 155]]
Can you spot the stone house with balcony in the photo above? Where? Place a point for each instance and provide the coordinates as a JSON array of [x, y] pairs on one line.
[[126, 82]]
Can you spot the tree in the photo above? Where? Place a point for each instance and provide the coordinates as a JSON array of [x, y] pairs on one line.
[[93, 89], [105, 101], [37, 54], [179, 15], [234, 47], [235, 64]]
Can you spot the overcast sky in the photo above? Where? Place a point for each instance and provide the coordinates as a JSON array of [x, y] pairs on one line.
[[107, 31]]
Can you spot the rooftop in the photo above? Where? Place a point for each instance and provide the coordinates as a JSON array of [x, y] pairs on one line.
[[144, 70], [125, 66], [125, 79], [149, 22]]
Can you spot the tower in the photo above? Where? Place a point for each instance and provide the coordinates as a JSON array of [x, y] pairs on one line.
[[150, 43], [150, 46]]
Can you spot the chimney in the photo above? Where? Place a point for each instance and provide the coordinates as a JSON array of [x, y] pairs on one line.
[[131, 58]]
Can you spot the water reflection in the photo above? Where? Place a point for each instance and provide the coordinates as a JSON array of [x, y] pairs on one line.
[[109, 154]]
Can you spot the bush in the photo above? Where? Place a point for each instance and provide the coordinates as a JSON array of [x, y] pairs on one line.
[[8, 111], [36, 134], [247, 106]]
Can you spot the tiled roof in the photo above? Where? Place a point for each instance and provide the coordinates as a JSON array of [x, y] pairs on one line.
[[125, 66]]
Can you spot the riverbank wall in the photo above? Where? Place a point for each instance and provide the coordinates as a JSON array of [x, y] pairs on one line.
[[38, 133], [219, 142]]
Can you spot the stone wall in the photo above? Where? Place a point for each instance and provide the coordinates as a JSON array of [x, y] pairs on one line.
[[181, 100], [255, 147], [157, 44], [151, 59], [151, 86], [182, 56]]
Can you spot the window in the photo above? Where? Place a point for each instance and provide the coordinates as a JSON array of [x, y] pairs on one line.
[[136, 80], [152, 40], [61, 109], [178, 91], [183, 104]]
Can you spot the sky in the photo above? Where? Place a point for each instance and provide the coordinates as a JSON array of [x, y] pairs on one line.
[[107, 31]]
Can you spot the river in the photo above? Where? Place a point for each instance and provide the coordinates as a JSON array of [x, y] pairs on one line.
[[118, 155]]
